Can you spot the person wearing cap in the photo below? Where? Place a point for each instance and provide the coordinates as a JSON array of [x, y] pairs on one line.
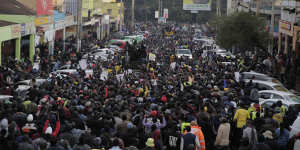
[[270, 140], [189, 140], [29, 126], [150, 144]]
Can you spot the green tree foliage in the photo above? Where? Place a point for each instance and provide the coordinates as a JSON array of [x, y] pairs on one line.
[[242, 31]]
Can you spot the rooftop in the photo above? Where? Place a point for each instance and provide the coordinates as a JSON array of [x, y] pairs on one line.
[[13, 7], [5, 23]]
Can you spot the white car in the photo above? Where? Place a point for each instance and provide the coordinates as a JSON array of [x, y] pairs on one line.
[[266, 85], [102, 53], [67, 72], [26, 84], [5, 98], [270, 102], [278, 95], [223, 53], [258, 76], [184, 53], [114, 48], [228, 63]]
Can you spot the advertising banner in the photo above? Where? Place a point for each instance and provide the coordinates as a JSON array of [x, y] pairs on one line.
[[166, 13], [286, 27], [156, 14], [203, 5], [44, 7]]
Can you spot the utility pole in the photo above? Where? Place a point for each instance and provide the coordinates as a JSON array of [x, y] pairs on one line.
[[218, 6], [272, 29], [159, 12], [132, 15], [257, 7], [79, 24]]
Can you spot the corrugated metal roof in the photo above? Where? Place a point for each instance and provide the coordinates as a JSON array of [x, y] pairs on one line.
[[14, 8]]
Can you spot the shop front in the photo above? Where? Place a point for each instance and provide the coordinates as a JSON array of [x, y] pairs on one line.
[[296, 40], [17, 42], [44, 40], [286, 32]]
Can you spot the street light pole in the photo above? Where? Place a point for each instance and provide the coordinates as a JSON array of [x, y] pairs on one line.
[[272, 28], [132, 15], [79, 24], [257, 7]]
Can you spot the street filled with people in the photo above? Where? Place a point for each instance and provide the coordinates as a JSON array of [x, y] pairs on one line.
[[163, 87]]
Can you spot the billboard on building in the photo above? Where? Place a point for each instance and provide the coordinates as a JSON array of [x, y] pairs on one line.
[[44, 7], [156, 14], [200, 5], [166, 13], [286, 27]]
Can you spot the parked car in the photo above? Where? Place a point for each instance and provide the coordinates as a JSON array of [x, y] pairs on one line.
[[66, 72], [26, 84], [184, 53], [268, 103], [99, 53], [266, 85], [258, 76], [5, 98], [278, 95], [223, 53]]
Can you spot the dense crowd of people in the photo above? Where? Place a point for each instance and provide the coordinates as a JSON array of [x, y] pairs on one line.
[[167, 103]]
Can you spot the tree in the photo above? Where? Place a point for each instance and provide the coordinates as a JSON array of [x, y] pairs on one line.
[[242, 31]]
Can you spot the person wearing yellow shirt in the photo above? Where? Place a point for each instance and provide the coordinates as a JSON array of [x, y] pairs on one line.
[[117, 69], [241, 116], [278, 116]]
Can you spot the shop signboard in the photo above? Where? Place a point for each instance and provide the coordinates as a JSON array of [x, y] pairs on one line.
[[41, 21], [162, 20], [69, 21], [15, 31], [44, 7], [202, 5], [59, 25], [286, 27]]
